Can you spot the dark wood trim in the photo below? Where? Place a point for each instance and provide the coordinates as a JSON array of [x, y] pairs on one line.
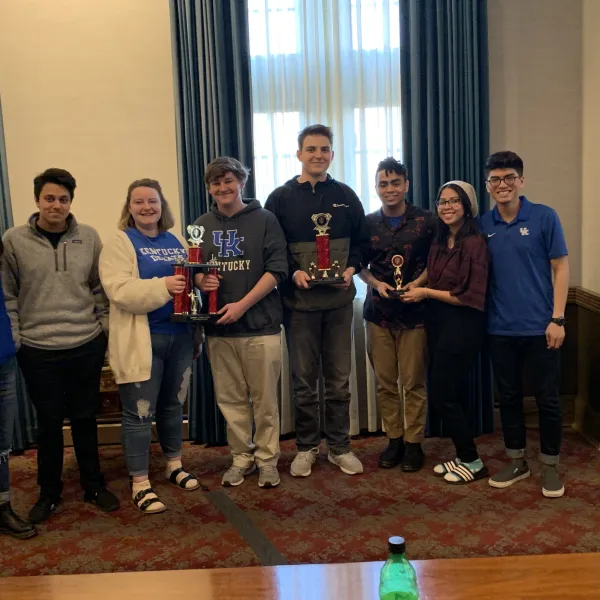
[[584, 298]]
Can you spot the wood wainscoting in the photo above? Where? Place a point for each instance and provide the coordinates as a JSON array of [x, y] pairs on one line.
[[587, 367]]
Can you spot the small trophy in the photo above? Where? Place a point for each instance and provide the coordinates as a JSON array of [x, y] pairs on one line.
[[186, 304], [319, 272], [195, 250], [397, 262]]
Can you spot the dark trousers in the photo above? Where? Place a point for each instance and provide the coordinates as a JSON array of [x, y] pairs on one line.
[[321, 339], [455, 336], [65, 383], [509, 356], [8, 410]]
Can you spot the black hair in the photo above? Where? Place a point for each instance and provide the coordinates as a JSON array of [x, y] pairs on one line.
[[469, 227], [56, 176], [315, 130], [391, 165], [504, 160]]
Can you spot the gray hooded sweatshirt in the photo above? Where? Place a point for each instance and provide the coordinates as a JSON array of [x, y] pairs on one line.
[[53, 297]]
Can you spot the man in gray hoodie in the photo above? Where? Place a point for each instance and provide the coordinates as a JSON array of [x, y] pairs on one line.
[[59, 316], [244, 343]]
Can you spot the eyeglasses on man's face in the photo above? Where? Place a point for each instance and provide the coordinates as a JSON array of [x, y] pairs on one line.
[[507, 179], [453, 202]]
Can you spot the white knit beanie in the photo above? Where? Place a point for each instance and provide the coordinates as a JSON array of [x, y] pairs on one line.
[[469, 190]]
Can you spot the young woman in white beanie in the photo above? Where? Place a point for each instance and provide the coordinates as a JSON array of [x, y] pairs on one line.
[[457, 271]]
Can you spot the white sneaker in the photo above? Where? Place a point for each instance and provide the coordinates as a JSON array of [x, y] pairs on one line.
[[302, 465], [348, 462]]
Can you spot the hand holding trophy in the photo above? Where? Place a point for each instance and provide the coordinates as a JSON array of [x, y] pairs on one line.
[[186, 303], [319, 271], [397, 263]]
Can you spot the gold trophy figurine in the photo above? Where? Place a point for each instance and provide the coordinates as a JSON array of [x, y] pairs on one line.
[[193, 302], [397, 263]]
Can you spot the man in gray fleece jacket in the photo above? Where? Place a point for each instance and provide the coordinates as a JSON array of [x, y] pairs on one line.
[[59, 316]]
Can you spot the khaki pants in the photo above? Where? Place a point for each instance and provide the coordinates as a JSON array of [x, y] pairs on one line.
[[246, 373], [400, 354]]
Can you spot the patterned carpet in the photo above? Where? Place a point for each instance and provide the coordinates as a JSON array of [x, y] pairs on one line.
[[328, 517]]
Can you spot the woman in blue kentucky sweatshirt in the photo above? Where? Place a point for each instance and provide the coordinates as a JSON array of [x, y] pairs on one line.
[[9, 522]]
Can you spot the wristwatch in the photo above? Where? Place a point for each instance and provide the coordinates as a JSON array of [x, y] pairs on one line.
[[560, 321]]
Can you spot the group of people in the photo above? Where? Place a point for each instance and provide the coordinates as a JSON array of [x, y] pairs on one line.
[[463, 279]]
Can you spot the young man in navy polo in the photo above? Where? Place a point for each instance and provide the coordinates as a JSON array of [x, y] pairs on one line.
[[529, 281]]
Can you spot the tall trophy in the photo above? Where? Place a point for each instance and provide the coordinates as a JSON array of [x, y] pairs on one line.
[[397, 263], [186, 305], [320, 271]]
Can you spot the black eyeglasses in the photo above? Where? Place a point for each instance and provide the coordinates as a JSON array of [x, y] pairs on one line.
[[451, 202], [508, 179]]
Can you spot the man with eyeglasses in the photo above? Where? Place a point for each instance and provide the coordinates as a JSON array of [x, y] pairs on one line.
[[401, 235], [529, 281]]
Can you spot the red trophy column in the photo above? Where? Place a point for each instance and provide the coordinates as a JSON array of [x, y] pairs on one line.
[[323, 256], [213, 306], [181, 302]]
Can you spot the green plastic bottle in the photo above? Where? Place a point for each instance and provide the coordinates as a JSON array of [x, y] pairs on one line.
[[398, 578]]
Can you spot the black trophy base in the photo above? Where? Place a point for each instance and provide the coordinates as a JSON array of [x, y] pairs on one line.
[[199, 266], [326, 281], [396, 294], [190, 318]]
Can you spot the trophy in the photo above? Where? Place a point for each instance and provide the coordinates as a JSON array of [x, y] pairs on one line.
[[397, 262], [319, 271], [187, 303]]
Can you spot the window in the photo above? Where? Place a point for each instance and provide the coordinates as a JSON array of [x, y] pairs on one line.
[[335, 62]]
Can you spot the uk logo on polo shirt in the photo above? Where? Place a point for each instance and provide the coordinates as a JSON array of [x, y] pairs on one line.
[[524, 231]]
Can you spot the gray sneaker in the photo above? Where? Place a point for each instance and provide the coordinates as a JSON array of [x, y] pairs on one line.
[[302, 464], [347, 462], [552, 486], [518, 469], [235, 475], [268, 476]]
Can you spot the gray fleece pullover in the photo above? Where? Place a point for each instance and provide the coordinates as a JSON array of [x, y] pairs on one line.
[[53, 297]]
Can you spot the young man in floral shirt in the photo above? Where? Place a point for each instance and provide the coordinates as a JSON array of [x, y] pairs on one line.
[[397, 344]]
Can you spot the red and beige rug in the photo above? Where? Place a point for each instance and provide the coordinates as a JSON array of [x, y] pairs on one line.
[[325, 518]]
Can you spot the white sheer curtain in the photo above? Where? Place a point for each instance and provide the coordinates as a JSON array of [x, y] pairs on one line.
[[335, 62]]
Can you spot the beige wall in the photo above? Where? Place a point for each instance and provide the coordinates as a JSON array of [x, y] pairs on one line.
[[591, 146], [87, 86], [535, 54]]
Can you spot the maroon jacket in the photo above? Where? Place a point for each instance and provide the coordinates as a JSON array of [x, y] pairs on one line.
[[462, 270]]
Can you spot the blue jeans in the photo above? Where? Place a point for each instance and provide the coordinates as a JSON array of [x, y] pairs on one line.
[[160, 398], [8, 409]]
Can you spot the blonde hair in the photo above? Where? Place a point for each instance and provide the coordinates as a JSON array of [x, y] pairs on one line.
[[166, 221]]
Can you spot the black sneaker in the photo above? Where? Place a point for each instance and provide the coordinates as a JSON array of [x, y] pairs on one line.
[[393, 454], [106, 500], [12, 524], [413, 459], [552, 486], [517, 470], [43, 508]]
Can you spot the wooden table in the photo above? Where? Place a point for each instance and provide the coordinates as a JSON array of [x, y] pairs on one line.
[[564, 577]]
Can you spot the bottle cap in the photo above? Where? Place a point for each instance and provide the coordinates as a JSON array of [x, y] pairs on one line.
[[396, 545]]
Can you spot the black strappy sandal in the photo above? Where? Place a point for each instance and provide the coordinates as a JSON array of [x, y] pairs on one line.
[[144, 505], [184, 480]]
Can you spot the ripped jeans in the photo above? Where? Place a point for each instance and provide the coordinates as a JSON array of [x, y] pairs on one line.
[[8, 408], [161, 398]]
